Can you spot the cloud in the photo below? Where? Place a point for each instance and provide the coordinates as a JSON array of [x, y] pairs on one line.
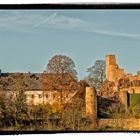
[[22, 21], [15, 21], [31, 22], [115, 33]]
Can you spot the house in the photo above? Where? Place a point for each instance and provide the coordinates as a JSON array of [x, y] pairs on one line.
[[39, 87], [57, 90]]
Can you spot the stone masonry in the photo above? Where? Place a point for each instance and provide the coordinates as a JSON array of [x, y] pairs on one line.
[[91, 106], [124, 83]]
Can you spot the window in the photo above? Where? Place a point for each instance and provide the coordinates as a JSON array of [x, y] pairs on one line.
[[40, 96], [32, 96], [46, 95]]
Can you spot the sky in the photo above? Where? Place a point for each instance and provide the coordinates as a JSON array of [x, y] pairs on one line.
[[29, 38]]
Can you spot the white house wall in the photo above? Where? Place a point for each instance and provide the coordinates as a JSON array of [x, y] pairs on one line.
[[35, 97]]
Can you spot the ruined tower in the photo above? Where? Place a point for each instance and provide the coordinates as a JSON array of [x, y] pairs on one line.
[[91, 105], [113, 72], [110, 67]]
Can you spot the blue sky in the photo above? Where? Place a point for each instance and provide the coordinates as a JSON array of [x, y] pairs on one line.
[[29, 38]]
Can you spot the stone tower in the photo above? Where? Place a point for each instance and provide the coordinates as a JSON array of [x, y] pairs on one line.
[[113, 72], [110, 67], [91, 106]]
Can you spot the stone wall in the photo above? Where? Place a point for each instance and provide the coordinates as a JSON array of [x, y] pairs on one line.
[[119, 124], [135, 90], [123, 99]]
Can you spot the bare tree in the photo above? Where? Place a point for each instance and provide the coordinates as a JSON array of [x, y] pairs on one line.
[[96, 74]]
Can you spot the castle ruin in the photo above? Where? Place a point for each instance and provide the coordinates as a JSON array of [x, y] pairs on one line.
[[123, 81], [125, 84], [127, 88]]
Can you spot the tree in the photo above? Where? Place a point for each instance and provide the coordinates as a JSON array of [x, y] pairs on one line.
[[6, 110], [60, 76], [96, 74], [18, 83], [40, 115], [60, 64], [74, 111]]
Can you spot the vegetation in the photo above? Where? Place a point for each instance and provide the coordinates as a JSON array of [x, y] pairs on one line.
[[96, 74], [134, 103]]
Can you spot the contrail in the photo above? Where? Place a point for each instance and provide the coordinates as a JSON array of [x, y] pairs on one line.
[[45, 20]]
